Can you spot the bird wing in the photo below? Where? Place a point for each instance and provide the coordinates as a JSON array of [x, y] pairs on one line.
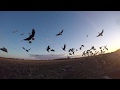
[[52, 50], [61, 32], [28, 37], [33, 33], [31, 36], [64, 46], [57, 34], [48, 48], [23, 48], [102, 31], [98, 35]]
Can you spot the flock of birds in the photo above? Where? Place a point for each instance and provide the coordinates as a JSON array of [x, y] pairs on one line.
[[90, 52]]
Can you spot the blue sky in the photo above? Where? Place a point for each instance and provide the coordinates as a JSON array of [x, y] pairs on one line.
[[76, 25]]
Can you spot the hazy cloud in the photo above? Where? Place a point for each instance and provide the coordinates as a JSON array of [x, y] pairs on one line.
[[47, 56]]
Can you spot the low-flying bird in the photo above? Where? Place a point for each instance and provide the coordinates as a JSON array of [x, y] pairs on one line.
[[93, 48], [64, 47], [87, 36], [82, 45], [106, 47], [80, 48], [4, 49], [100, 34], [70, 54], [60, 33], [52, 50], [48, 48], [26, 49], [100, 47], [31, 36], [73, 50], [69, 50]]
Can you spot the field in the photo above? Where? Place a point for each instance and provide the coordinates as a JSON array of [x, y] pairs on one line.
[[104, 66]]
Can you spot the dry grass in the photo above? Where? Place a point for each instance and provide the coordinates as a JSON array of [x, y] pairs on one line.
[[84, 68]]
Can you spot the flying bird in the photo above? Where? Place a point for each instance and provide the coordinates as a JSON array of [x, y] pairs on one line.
[[22, 34], [60, 33], [4, 49], [93, 48], [15, 31], [69, 50], [87, 36], [82, 45], [26, 49], [100, 34], [31, 36], [52, 50], [64, 47], [106, 47], [48, 48], [80, 48], [70, 54]]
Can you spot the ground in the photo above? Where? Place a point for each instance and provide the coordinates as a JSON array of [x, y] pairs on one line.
[[105, 66]]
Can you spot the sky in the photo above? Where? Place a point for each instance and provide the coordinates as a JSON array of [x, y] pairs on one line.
[[76, 25]]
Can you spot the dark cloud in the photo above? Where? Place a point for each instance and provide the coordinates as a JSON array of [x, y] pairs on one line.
[[47, 56]]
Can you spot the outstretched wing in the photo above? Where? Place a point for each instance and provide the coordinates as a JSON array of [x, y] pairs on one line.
[[57, 34], [48, 48], [31, 36], [23, 48], [33, 33], [98, 35], [61, 32], [102, 32], [64, 46]]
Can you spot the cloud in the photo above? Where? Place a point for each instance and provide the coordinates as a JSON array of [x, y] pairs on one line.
[[47, 56]]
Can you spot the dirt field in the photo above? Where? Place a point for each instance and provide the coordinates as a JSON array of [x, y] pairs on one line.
[[106, 66]]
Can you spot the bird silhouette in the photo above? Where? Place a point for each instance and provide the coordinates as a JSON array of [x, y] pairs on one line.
[[70, 54], [60, 33], [64, 47], [106, 47], [22, 34], [93, 48], [52, 50], [4, 49], [31, 36], [100, 34], [69, 50], [82, 45], [26, 49], [15, 31], [80, 48], [48, 48]]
